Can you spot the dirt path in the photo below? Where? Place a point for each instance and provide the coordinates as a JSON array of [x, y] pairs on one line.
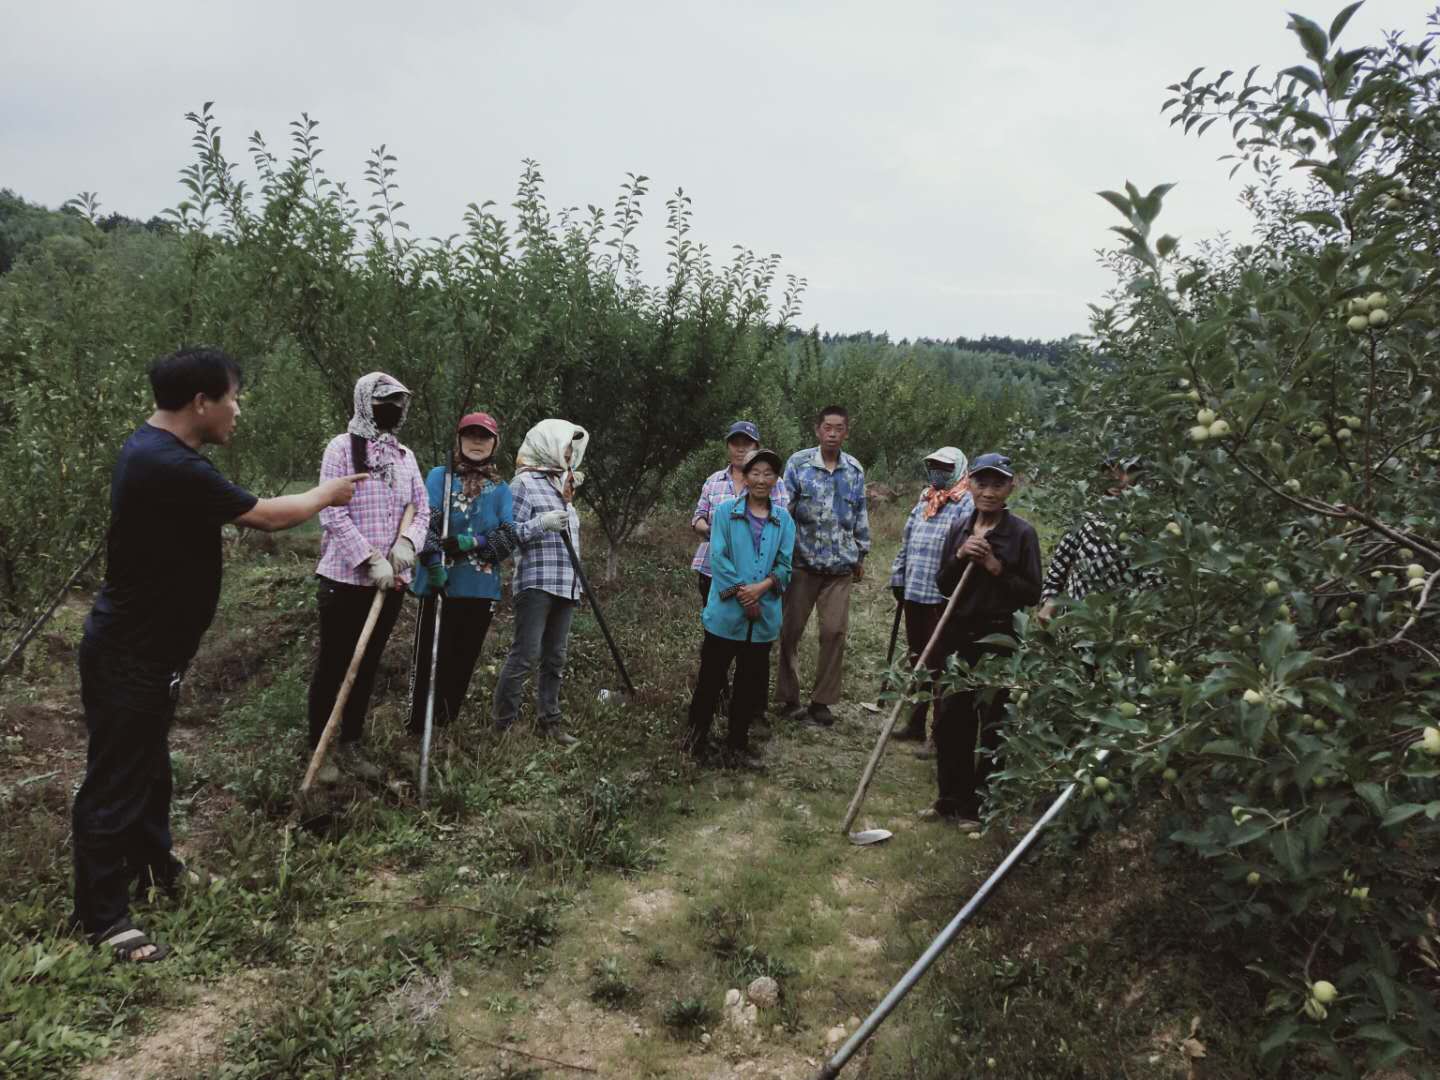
[[758, 881]]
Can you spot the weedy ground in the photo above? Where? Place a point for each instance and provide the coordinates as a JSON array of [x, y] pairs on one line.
[[556, 911]]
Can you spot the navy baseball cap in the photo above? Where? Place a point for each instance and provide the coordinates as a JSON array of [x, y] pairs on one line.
[[992, 463], [743, 427]]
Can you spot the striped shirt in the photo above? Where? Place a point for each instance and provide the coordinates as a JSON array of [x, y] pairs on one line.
[[717, 489], [918, 560], [370, 523], [542, 561]]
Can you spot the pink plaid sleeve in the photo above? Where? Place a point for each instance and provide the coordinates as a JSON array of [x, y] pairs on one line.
[[421, 498], [343, 540]]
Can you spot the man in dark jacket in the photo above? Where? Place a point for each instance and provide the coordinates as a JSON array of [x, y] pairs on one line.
[[1001, 555]]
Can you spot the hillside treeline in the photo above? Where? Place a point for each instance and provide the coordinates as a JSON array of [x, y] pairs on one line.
[[526, 311]]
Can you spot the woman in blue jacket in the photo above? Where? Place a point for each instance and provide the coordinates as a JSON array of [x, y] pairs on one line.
[[751, 542], [480, 537]]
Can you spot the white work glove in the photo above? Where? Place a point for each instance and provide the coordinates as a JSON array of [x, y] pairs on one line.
[[555, 520], [402, 555], [382, 574]]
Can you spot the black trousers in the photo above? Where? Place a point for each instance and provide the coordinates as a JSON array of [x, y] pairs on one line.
[[920, 623], [121, 819], [703, 581], [343, 611], [463, 626], [964, 719], [747, 701]]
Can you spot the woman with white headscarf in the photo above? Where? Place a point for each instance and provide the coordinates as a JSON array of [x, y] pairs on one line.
[[362, 550], [945, 499], [545, 586]]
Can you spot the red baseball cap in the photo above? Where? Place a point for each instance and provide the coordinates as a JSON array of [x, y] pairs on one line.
[[480, 420]]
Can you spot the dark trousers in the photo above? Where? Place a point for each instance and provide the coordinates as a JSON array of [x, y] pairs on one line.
[[121, 819], [463, 626], [965, 717], [703, 581], [920, 623], [343, 611], [747, 701]]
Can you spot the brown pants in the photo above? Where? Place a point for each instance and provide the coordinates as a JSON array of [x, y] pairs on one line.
[[830, 593]]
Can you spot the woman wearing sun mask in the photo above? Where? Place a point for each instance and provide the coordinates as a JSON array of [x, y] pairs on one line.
[[545, 586], [944, 501], [463, 566], [361, 552]]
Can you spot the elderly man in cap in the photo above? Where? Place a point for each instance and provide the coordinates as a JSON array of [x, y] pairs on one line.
[[1003, 553], [728, 483], [944, 501]]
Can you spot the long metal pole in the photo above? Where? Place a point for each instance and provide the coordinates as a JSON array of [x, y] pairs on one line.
[[595, 606], [872, 1022], [434, 658]]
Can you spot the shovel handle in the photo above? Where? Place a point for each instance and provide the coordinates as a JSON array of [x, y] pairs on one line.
[[889, 725]]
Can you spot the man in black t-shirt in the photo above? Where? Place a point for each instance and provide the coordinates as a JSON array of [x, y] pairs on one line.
[[162, 583]]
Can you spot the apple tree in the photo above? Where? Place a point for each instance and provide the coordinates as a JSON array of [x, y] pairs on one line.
[[1274, 702]]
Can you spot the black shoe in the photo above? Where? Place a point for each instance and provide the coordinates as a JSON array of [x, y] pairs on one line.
[[909, 734], [820, 715]]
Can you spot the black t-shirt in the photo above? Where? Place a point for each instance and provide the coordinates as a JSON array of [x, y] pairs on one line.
[[163, 557]]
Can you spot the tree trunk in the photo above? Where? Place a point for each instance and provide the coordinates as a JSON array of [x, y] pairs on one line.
[[612, 561]]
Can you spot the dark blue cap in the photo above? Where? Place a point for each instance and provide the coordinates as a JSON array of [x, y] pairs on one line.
[[992, 463], [743, 427]]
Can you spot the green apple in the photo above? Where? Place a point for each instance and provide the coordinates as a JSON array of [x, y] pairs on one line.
[[1378, 317], [1317, 429], [1128, 708], [1414, 571], [1236, 629], [1344, 435], [1292, 484], [1376, 300], [1205, 416], [1430, 741], [1358, 323], [1198, 433], [1173, 528], [1169, 776], [1193, 395], [1253, 697], [1108, 798], [1272, 587], [1314, 1010], [1359, 306], [1219, 429], [1252, 878], [1102, 783], [1323, 991]]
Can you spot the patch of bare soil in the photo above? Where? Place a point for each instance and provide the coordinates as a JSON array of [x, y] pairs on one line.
[[184, 1041]]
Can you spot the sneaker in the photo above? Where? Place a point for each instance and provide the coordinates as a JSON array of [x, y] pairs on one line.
[[354, 762], [553, 733], [820, 715], [968, 825]]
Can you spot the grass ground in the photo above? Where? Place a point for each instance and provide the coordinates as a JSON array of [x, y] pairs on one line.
[[560, 911]]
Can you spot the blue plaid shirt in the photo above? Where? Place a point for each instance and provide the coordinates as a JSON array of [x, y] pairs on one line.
[[832, 526], [542, 562], [918, 560]]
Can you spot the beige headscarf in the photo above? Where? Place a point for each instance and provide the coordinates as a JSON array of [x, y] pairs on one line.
[[543, 451]]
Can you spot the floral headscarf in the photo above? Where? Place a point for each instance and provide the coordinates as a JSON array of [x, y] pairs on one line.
[[955, 487], [369, 388], [543, 451]]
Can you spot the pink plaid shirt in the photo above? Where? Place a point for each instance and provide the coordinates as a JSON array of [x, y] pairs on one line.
[[350, 534]]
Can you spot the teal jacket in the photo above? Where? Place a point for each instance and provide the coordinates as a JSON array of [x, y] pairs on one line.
[[476, 574], [734, 561]]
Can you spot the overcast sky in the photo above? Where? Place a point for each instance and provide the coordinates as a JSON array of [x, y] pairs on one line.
[[929, 167]]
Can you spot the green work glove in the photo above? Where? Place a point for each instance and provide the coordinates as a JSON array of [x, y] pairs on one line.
[[439, 577], [458, 545]]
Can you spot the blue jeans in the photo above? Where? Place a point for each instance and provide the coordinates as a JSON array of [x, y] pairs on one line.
[[542, 631], [122, 811]]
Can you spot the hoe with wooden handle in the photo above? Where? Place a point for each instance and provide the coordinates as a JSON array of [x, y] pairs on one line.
[[875, 836]]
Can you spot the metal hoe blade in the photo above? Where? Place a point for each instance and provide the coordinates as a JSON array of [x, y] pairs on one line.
[[866, 837]]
